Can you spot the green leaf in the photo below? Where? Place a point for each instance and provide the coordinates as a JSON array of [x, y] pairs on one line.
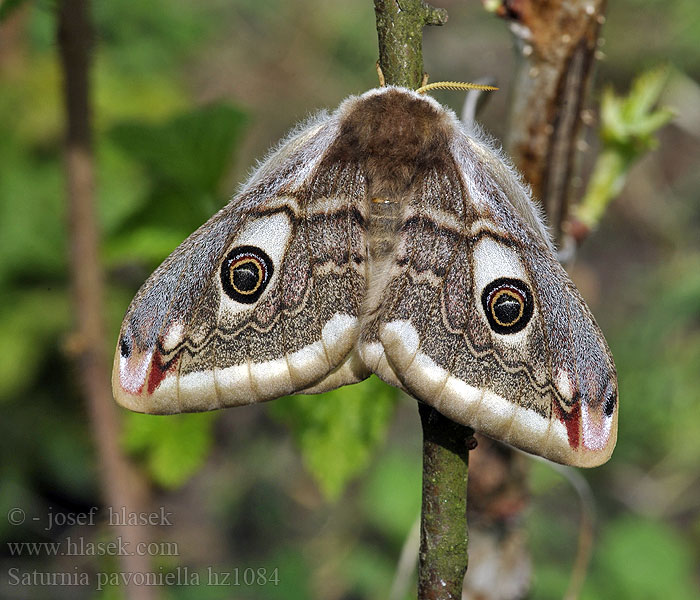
[[338, 431], [173, 447], [629, 122], [628, 128]]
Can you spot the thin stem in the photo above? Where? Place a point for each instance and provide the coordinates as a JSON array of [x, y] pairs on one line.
[[400, 31], [443, 550]]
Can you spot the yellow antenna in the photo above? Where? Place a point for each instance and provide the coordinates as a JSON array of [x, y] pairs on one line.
[[455, 85]]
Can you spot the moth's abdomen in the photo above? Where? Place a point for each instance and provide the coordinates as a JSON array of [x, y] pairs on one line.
[[383, 226]]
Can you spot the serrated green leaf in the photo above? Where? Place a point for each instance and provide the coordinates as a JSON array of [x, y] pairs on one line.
[[629, 122], [649, 124], [173, 447], [645, 93], [628, 128], [338, 431]]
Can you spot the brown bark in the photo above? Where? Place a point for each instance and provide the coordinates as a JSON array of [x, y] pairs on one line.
[[558, 40]]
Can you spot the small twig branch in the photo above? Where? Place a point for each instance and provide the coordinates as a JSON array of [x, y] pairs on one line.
[[118, 481]]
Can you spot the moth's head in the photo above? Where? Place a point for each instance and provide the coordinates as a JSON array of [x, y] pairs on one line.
[[395, 134]]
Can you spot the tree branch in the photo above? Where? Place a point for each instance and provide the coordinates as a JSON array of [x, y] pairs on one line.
[[119, 482], [443, 557], [558, 40]]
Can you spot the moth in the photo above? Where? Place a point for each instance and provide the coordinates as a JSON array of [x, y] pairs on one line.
[[383, 238]]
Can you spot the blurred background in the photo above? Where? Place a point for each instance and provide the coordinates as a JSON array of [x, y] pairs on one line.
[[316, 496]]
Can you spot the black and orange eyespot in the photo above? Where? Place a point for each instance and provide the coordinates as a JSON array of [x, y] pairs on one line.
[[508, 305], [245, 273]]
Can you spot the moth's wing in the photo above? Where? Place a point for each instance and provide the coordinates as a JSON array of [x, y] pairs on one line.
[[550, 388], [261, 301]]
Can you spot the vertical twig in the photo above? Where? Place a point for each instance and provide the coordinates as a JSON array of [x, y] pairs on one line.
[[400, 32], [443, 559], [119, 483], [443, 546]]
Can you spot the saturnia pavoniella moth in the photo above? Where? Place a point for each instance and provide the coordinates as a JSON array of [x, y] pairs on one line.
[[381, 238]]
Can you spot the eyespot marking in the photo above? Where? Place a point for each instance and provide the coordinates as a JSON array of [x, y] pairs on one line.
[[245, 273], [508, 305]]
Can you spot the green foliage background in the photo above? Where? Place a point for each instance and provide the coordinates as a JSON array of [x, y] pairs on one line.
[[325, 489]]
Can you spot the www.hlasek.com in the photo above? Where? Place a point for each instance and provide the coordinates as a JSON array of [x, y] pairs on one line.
[[180, 576], [79, 546]]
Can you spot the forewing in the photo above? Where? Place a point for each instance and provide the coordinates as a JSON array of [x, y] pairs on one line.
[[262, 301]]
